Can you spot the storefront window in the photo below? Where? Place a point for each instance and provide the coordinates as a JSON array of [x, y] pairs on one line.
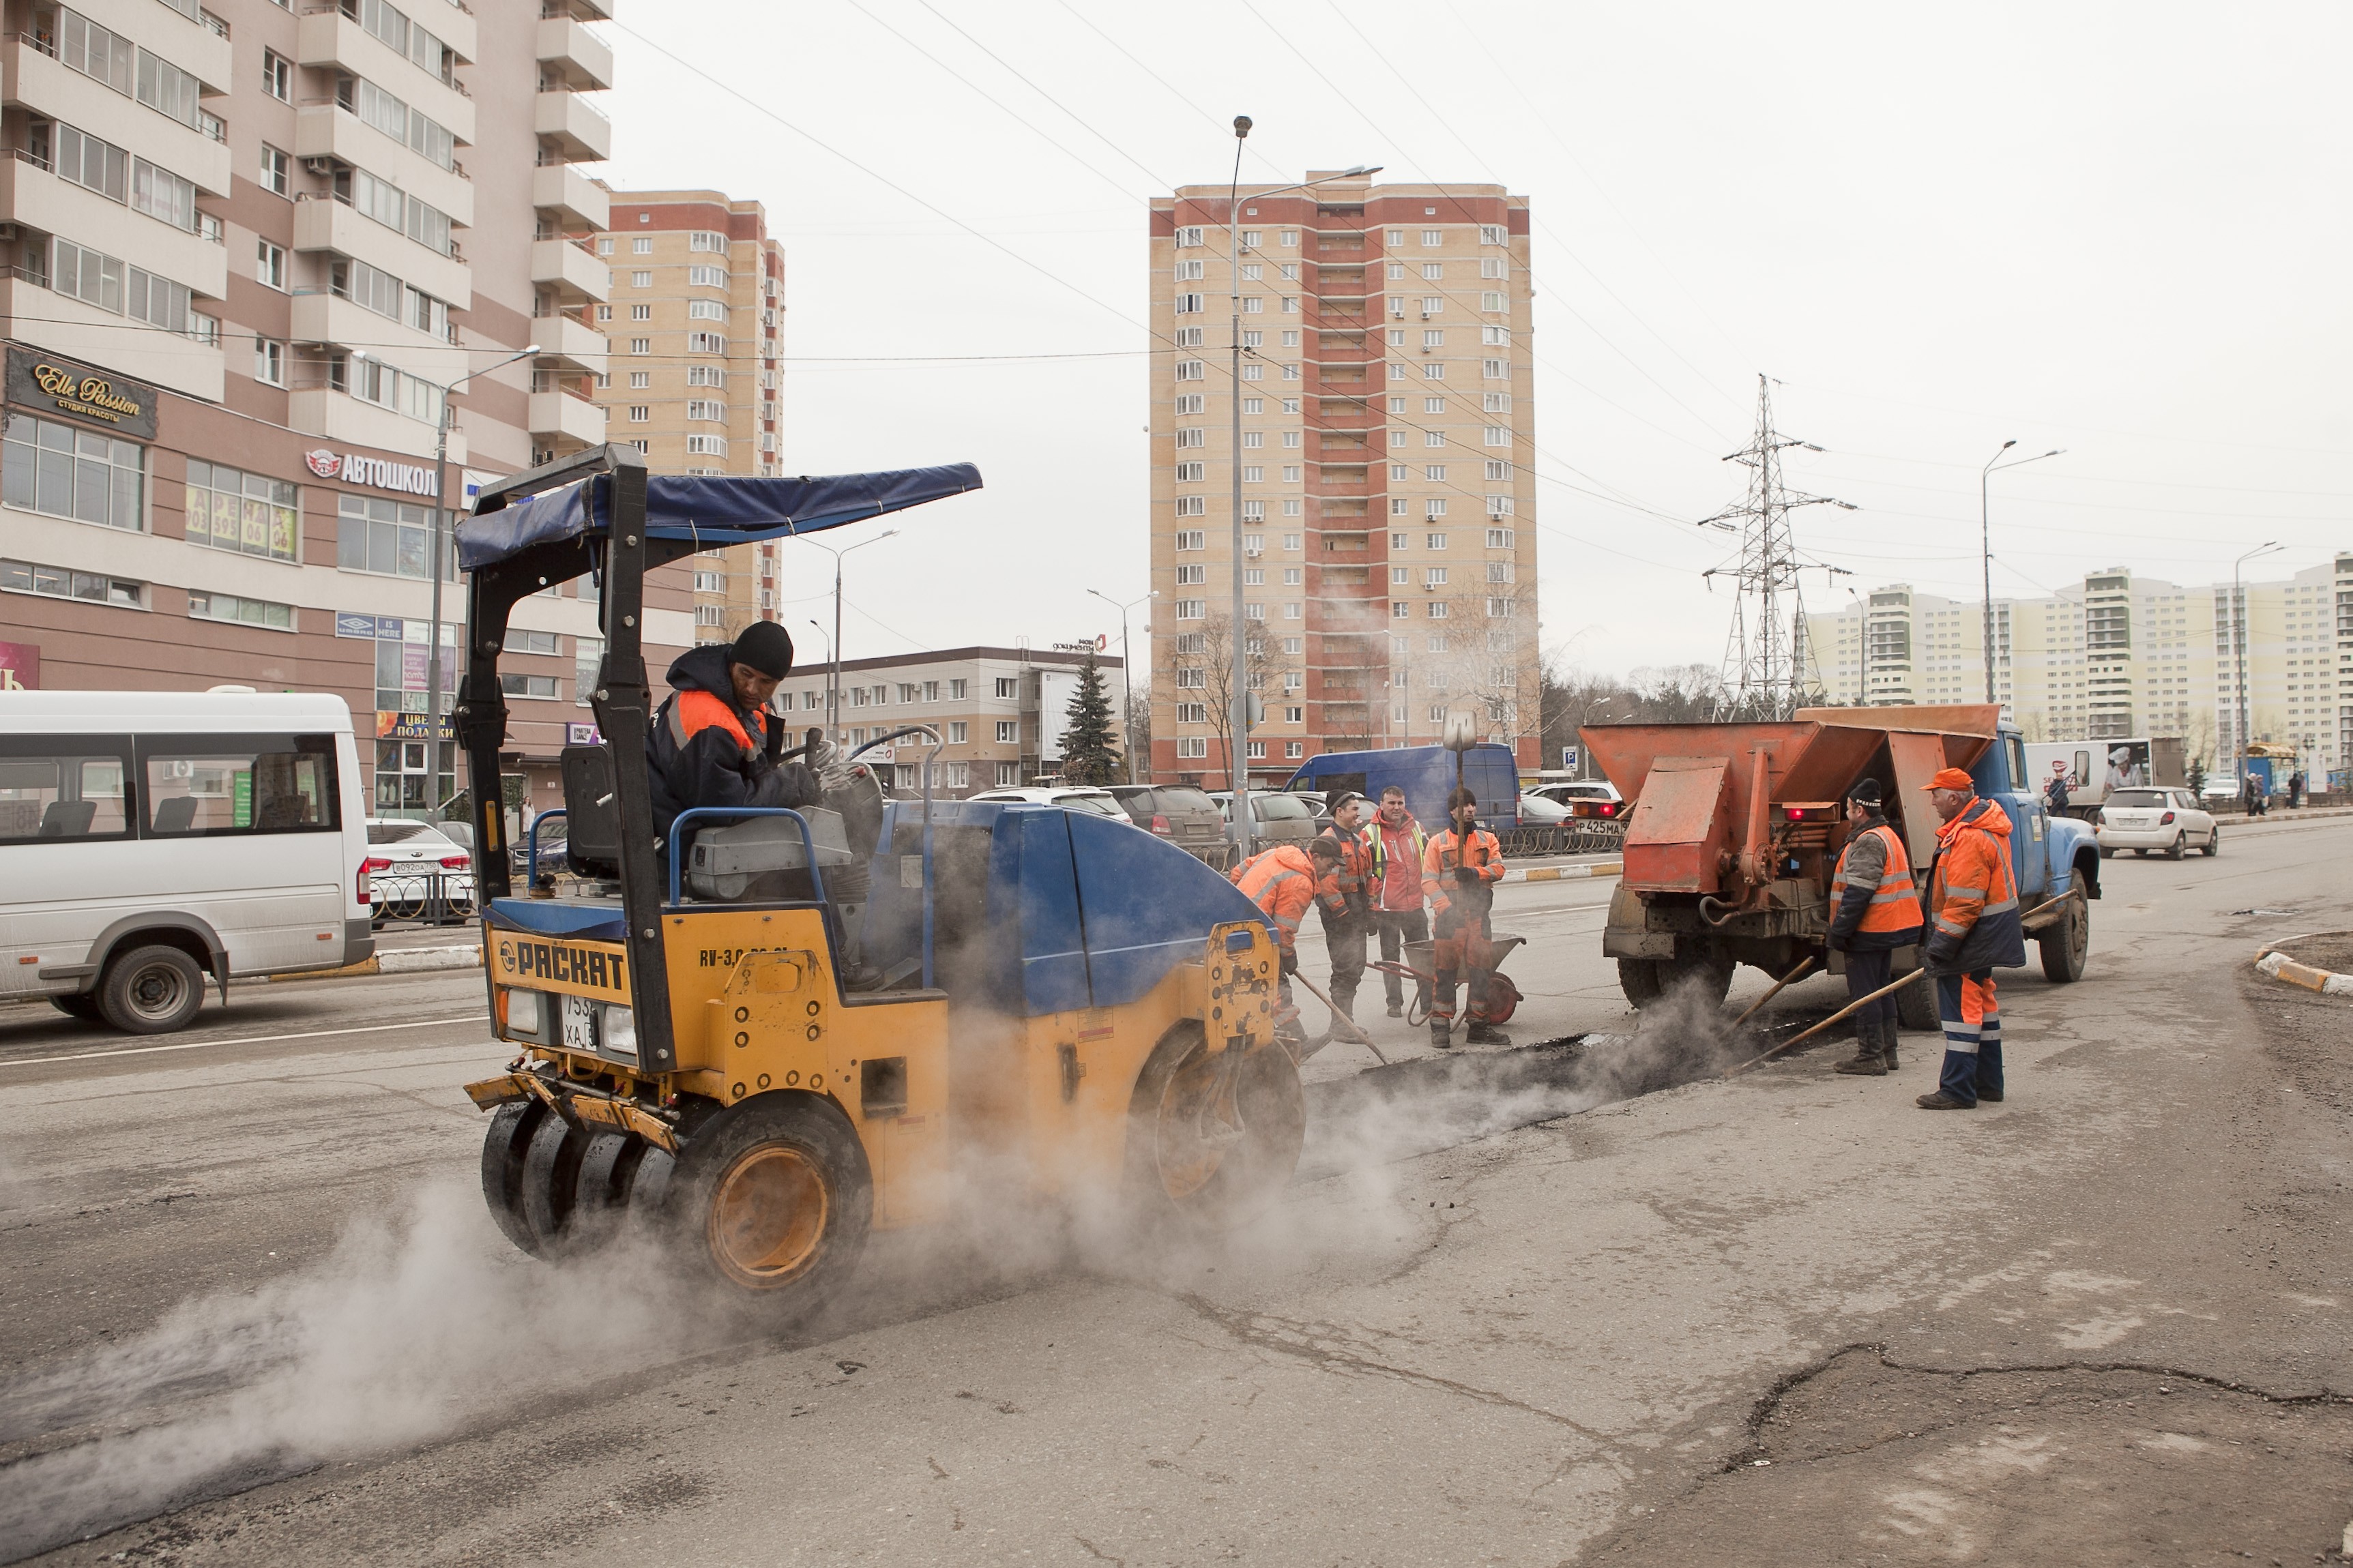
[[390, 538], [228, 510], [49, 466]]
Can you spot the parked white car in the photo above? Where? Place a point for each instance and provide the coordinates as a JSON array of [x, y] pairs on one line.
[[1086, 799], [1542, 810], [407, 862], [2169, 819]]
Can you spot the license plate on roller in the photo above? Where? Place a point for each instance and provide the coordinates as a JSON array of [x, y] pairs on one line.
[[579, 1024]]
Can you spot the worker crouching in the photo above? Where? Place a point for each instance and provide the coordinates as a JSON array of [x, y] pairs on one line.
[[1876, 910], [1282, 882], [1458, 871], [1973, 900]]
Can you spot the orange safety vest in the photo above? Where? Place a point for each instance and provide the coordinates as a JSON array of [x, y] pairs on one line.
[[1282, 881], [694, 712], [1896, 905]]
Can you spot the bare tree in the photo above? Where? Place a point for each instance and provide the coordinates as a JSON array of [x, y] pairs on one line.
[[1205, 669]]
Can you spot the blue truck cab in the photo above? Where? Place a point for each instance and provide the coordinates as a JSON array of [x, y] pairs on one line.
[[1425, 774], [2052, 857]]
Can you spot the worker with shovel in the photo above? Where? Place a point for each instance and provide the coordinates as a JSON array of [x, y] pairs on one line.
[[1973, 898], [1877, 911]]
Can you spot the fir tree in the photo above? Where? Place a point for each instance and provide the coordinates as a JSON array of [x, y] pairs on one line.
[[1090, 748]]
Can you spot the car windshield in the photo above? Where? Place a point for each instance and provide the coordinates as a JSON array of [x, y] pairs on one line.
[[2129, 797], [395, 831]]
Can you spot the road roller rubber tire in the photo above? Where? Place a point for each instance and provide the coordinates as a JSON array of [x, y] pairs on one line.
[[772, 1199], [1181, 1167], [551, 1172], [504, 1149]]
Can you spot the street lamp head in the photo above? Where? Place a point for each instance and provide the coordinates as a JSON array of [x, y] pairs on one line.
[[2005, 445], [1241, 126], [1361, 169]]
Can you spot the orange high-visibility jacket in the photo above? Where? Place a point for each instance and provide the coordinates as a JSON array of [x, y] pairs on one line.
[[1972, 894], [1341, 888], [1282, 881], [1453, 850], [1896, 903]]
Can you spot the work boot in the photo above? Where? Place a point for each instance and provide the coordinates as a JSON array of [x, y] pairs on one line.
[[1889, 1029], [1942, 1101], [1397, 1009], [1442, 1034], [1482, 1032], [1867, 1060]]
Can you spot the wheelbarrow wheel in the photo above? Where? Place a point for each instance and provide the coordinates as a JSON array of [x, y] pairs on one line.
[[1503, 998]]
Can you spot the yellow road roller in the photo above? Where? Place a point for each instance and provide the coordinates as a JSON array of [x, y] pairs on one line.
[[1049, 997]]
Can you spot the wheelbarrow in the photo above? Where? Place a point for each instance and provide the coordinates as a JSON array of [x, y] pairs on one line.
[[1420, 966]]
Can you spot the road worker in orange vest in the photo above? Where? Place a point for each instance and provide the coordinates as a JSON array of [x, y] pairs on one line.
[[714, 742], [1875, 911], [1973, 899], [1282, 882], [1460, 871]]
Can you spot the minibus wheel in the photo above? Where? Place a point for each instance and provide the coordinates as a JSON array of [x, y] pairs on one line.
[[151, 991]]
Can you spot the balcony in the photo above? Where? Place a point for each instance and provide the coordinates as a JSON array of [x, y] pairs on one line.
[[38, 81], [340, 417], [331, 40], [322, 222], [566, 421], [579, 57], [330, 319], [580, 132], [62, 324], [33, 196], [324, 131], [571, 269], [579, 10], [570, 345], [577, 201]]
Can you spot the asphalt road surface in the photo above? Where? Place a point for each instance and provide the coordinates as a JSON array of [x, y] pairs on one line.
[[252, 1310]]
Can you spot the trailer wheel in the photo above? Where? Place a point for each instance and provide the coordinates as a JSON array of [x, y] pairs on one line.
[[773, 1197], [152, 991], [1915, 1008], [2067, 943], [1211, 1141]]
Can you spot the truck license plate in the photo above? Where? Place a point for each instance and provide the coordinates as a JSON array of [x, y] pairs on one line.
[[579, 1024]]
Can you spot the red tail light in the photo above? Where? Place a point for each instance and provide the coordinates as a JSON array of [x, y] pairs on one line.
[[368, 868], [1609, 808], [1160, 825], [2166, 818], [455, 862]]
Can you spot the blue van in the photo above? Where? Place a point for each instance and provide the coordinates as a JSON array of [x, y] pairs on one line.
[[1425, 774]]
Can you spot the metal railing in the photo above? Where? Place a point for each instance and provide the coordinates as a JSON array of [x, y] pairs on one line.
[[435, 898]]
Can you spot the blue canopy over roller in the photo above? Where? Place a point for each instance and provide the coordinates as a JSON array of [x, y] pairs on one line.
[[708, 513]]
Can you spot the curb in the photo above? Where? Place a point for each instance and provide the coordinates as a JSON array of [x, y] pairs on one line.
[[1564, 873], [2278, 965], [399, 961]]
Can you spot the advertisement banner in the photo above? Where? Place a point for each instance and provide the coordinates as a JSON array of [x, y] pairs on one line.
[[20, 667], [51, 384], [391, 726]]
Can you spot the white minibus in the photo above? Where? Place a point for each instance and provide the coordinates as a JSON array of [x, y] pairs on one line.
[[149, 840]]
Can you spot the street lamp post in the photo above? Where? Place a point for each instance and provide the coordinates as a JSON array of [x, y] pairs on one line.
[[442, 518], [1237, 715], [2239, 655], [1126, 676], [1984, 540], [833, 680]]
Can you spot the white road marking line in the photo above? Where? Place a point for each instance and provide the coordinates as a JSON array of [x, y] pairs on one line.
[[249, 1040]]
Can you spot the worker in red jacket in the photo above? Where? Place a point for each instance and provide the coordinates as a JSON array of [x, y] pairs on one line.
[[1973, 901], [1393, 876], [1459, 873]]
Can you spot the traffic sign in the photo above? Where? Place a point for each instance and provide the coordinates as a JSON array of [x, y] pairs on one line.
[[1568, 758]]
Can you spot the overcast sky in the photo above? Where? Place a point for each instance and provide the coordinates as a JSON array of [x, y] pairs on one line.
[[2120, 230]]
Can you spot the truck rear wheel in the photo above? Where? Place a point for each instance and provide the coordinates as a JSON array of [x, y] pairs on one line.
[[2067, 943], [1647, 980], [1211, 1141], [773, 1197], [1639, 978]]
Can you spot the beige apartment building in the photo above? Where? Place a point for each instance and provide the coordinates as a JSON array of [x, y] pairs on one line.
[[696, 320], [1000, 711], [253, 253], [1387, 512], [2120, 655]]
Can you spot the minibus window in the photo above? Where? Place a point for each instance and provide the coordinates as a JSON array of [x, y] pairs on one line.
[[61, 787], [201, 785]]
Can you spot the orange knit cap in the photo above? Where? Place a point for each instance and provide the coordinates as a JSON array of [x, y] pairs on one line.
[[1951, 778]]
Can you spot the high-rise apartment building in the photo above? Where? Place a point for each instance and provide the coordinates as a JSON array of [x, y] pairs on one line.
[[696, 322], [253, 251], [2119, 654], [1387, 512]]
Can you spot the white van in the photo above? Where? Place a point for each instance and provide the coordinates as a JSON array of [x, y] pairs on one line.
[[149, 839]]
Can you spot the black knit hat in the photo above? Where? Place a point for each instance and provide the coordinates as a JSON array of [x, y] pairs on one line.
[[766, 646], [1867, 791]]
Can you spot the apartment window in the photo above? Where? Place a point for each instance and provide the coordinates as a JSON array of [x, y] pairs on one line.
[[1193, 436], [705, 310], [1192, 712], [58, 582], [1189, 234], [642, 244], [1008, 686], [1192, 746], [1191, 304], [1192, 506], [1496, 435], [1288, 236], [247, 513], [1499, 571], [641, 312], [1433, 577], [1434, 370], [706, 343], [1434, 471], [1292, 508], [641, 345], [1008, 731], [707, 277], [276, 170], [706, 239], [278, 76], [707, 446], [1437, 610], [1252, 510], [1499, 506], [1190, 539], [705, 408], [1492, 300], [49, 466], [1190, 473], [387, 538], [1498, 337], [1190, 609], [245, 612], [959, 732], [1434, 541], [1192, 402], [638, 378], [270, 265], [957, 690], [1188, 577], [1495, 401], [1191, 678], [641, 279], [706, 375], [708, 615], [711, 582], [604, 245], [1496, 369], [1190, 370], [269, 361], [541, 643], [1432, 238], [1399, 507], [1502, 609], [1492, 233]]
